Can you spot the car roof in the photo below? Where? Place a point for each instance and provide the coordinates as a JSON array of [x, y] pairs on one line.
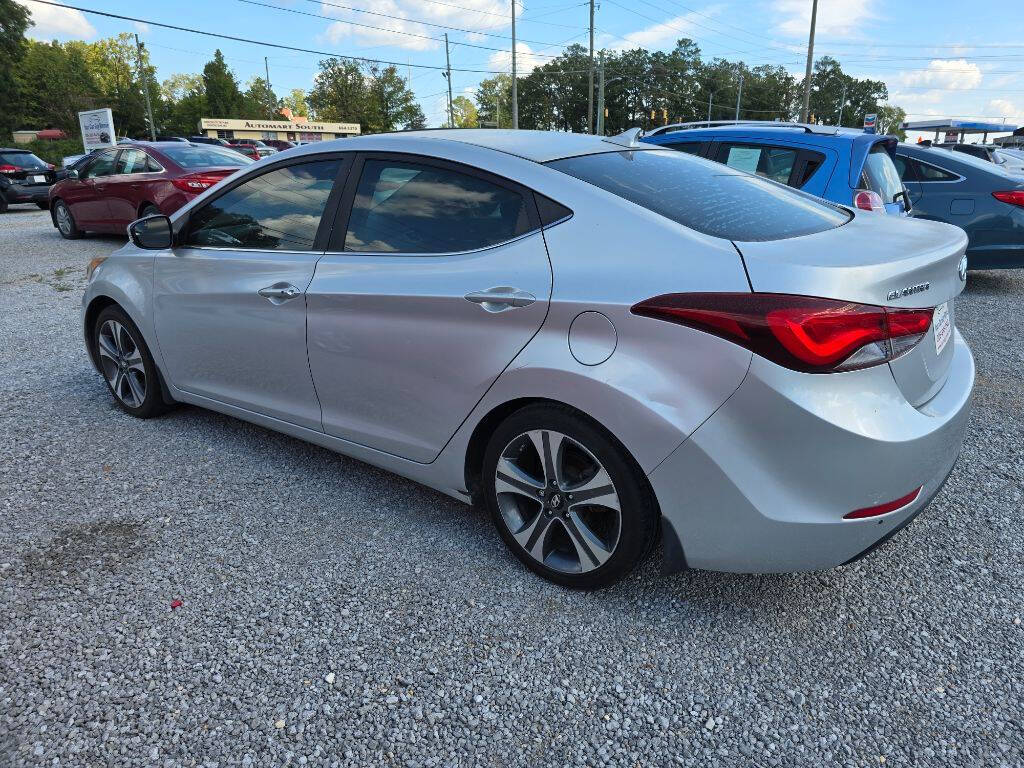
[[15, 149], [811, 132], [539, 146]]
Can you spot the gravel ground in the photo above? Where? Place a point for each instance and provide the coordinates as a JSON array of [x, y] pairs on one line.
[[334, 614]]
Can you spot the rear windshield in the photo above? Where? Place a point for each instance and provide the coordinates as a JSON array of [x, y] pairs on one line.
[[205, 156], [705, 196], [21, 160], [880, 174]]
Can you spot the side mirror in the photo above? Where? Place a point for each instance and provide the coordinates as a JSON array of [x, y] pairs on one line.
[[71, 173], [152, 233]]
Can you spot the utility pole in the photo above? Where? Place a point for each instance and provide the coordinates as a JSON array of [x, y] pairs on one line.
[[805, 112], [600, 98], [710, 94], [448, 76], [266, 69], [145, 88], [739, 96], [842, 103], [590, 74], [515, 92]]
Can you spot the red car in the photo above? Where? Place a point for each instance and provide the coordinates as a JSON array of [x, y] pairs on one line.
[[116, 186]]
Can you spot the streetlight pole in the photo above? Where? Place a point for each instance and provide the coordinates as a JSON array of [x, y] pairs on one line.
[[590, 74], [145, 88], [448, 75], [739, 96], [805, 112], [710, 95], [515, 91], [842, 103]]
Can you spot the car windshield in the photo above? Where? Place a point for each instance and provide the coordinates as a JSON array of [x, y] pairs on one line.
[[880, 174], [205, 156], [705, 196], [22, 160]]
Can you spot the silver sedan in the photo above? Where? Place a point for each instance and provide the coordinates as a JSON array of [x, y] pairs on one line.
[[595, 340]]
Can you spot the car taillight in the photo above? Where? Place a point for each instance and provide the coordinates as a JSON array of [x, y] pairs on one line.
[[8, 169], [194, 183], [1013, 197], [803, 333], [867, 200]]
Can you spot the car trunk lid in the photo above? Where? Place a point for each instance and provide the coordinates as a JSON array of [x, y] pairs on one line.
[[882, 261]]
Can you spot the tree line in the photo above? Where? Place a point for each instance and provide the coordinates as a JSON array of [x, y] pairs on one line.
[[650, 88]]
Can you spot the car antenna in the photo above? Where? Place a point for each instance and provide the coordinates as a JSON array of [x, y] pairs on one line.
[[628, 138]]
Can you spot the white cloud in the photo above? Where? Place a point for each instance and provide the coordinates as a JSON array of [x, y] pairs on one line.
[[1004, 108], [339, 31], [656, 35], [526, 60], [835, 17], [141, 27], [50, 21], [947, 74]]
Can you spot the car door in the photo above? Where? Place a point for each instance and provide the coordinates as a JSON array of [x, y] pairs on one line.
[[939, 190], [126, 188], [907, 169], [436, 282], [229, 301], [87, 196]]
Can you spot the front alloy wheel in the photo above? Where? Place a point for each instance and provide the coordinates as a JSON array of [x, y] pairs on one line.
[[122, 364]]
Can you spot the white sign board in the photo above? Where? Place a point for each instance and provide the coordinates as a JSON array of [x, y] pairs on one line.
[[97, 129]]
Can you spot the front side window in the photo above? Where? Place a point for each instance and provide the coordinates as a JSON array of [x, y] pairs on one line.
[[705, 197], [103, 165], [277, 210], [132, 161], [775, 163], [403, 207], [881, 175]]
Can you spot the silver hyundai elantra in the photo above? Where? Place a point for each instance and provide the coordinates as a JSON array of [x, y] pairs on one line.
[[596, 340]]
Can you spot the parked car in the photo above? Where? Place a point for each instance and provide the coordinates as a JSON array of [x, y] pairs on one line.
[[279, 144], [253, 148], [24, 178], [113, 187], [592, 337], [976, 195], [846, 166], [980, 151], [1009, 160], [209, 140]]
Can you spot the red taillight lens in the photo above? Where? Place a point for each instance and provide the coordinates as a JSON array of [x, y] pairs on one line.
[[195, 183], [803, 333], [1013, 197], [8, 169], [883, 509], [867, 200]]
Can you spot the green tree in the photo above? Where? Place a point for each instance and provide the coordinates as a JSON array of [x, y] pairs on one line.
[[465, 113], [296, 102], [828, 82], [184, 99], [55, 83], [493, 99], [223, 98], [889, 119], [14, 20], [391, 104], [340, 93], [259, 100]]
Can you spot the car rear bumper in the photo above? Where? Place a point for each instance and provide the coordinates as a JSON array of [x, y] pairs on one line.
[[1006, 256], [16, 193], [763, 484]]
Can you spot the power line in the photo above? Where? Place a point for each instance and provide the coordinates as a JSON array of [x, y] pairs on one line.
[[251, 41]]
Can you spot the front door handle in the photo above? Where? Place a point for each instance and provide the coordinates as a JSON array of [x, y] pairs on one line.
[[501, 298], [278, 293]]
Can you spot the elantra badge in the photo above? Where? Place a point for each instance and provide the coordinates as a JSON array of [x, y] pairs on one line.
[[962, 270], [910, 290]]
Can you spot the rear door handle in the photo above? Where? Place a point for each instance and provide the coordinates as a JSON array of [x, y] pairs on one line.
[[501, 298], [278, 293]]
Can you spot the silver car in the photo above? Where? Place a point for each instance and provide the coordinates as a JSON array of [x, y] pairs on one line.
[[595, 340]]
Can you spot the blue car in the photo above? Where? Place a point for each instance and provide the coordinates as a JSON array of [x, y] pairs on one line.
[[844, 165], [982, 198]]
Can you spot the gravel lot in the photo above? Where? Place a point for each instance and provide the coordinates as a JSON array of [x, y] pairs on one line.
[[334, 614]]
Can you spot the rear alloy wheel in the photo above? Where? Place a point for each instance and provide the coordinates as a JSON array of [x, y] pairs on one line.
[[566, 499], [65, 221], [126, 364]]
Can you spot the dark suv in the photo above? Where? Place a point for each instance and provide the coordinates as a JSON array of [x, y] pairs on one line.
[[24, 178]]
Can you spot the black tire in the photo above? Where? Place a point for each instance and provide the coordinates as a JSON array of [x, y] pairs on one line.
[[71, 232], [148, 210], [635, 531], [126, 393], [43, 206], [3, 204]]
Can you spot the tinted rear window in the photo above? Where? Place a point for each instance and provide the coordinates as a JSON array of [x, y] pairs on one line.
[[705, 196], [208, 156], [881, 175], [21, 160]]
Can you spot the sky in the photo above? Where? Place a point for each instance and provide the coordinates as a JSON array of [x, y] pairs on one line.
[[939, 61]]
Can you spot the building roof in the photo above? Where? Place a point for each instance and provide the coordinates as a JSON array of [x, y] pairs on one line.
[[960, 126]]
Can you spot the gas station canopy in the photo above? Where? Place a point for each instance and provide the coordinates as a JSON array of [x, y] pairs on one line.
[[960, 127]]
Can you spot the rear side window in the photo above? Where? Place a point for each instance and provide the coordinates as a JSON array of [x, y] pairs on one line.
[[689, 147], [403, 207], [131, 161], [705, 197], [775, 163], [929, 172], [881, 175], [811, 164], [276, 211]]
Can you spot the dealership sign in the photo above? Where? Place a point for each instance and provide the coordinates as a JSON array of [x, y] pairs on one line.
[[869, 123], [218, 124], [97, 129]]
